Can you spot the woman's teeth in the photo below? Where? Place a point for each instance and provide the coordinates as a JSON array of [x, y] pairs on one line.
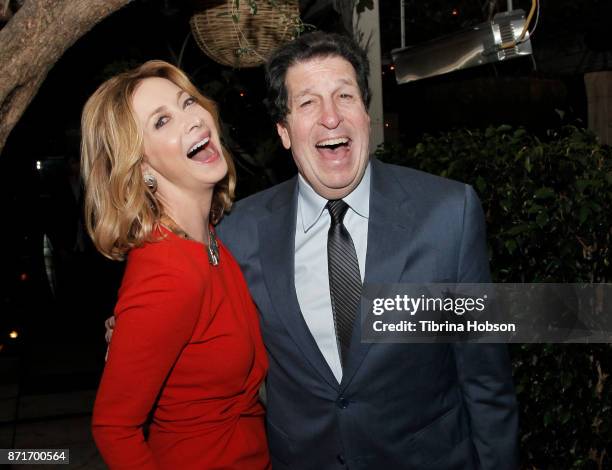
[[197, 147]]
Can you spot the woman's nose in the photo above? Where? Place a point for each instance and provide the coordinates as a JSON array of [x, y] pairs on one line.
[[193, 122]]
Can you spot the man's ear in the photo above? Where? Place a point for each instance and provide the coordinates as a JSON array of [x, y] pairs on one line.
[[283, 133]]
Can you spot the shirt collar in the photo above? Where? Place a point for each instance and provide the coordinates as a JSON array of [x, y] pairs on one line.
[[312, 204]]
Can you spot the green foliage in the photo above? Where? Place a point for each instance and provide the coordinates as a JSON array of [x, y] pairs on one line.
[[548, 207], [547, 202], [293, 23]]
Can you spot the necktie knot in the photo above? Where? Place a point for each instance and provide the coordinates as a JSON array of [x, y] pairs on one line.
[[337, 209]]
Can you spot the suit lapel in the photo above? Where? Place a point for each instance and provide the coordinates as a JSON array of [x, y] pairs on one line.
[[277, 248], [389, 232]]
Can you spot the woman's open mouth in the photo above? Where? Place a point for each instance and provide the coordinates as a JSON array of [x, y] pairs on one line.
[[203, 151]]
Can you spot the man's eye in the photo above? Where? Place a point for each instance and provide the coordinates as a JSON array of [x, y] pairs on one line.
[[346, 96], [161, 121], [305, 103], [189, 101]]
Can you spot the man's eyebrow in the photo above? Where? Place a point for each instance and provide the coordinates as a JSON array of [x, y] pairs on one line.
[[305, 92], [340, 81], [346, 81], [161, 108]]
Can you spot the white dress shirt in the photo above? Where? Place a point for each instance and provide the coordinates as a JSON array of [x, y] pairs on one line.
[[311, 275]]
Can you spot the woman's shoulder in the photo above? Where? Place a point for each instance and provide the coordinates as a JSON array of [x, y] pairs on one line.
[[160, 274], [167, 253]]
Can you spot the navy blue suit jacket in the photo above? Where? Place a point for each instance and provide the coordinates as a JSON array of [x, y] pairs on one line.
[[399, 406]]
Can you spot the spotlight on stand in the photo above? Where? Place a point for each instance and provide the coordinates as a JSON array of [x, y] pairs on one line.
[[504, 38]]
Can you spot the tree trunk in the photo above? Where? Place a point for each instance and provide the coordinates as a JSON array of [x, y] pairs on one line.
[[599, 98], [33, 41]]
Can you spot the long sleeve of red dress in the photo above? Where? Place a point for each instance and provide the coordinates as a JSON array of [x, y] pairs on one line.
[[179, 320]]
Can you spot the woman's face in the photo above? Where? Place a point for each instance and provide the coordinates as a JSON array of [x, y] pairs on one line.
[[182, 148]]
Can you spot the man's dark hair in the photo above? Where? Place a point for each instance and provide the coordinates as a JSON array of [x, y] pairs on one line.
[[306, 47]]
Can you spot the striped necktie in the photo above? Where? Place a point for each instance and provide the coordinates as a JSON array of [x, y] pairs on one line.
[[344, 277]]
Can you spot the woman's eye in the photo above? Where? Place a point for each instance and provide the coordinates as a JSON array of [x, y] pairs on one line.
[[189, 101], [161, 121]]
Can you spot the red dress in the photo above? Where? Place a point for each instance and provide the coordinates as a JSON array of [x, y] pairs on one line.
[[186, 351]]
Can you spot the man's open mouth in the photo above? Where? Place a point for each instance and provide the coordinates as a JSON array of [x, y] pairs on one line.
[[334, 144]]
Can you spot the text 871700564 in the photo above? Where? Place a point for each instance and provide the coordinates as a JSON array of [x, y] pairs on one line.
[[34, 456]]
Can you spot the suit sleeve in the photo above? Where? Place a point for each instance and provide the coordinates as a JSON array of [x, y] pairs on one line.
[[156, 314], [484, 370]]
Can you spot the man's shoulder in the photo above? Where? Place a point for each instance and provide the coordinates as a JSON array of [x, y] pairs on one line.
[[261, 199], [255, 205], [413, 181]]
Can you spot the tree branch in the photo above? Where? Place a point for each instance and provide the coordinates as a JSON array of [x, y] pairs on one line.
[[33, 40]]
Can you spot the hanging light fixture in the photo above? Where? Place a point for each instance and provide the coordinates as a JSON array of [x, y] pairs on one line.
[[505, 37]]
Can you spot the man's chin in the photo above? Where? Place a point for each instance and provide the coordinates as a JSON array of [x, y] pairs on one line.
[[335, 189]]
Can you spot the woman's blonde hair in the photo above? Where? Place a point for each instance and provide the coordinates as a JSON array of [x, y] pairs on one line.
[[121, 212]]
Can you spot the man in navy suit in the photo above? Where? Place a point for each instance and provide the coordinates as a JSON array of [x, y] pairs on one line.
[[336, 403]]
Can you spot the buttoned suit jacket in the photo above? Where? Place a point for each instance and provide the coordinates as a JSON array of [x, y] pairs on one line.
[[398, 406]]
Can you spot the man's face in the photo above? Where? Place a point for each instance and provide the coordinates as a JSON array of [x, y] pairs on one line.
[[327, 127]]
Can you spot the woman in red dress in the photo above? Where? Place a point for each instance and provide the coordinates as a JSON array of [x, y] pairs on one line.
[[186, 354]]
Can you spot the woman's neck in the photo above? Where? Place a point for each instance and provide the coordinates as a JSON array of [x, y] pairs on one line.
[[190, 214]]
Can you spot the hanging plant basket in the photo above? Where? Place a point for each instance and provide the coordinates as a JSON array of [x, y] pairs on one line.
[[243, 33]]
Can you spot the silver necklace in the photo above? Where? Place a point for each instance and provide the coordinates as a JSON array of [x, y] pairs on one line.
[[212, 249]]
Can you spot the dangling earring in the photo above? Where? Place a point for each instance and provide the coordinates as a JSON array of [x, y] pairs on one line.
[[150, 182]]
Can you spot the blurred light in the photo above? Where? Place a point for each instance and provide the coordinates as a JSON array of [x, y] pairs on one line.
[[23, 277], [455, 12], [242, 94], [386, 124], [38, 165], [392, 67], [13, 334]]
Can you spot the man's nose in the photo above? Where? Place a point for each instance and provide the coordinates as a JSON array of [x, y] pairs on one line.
[[330, 115]]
